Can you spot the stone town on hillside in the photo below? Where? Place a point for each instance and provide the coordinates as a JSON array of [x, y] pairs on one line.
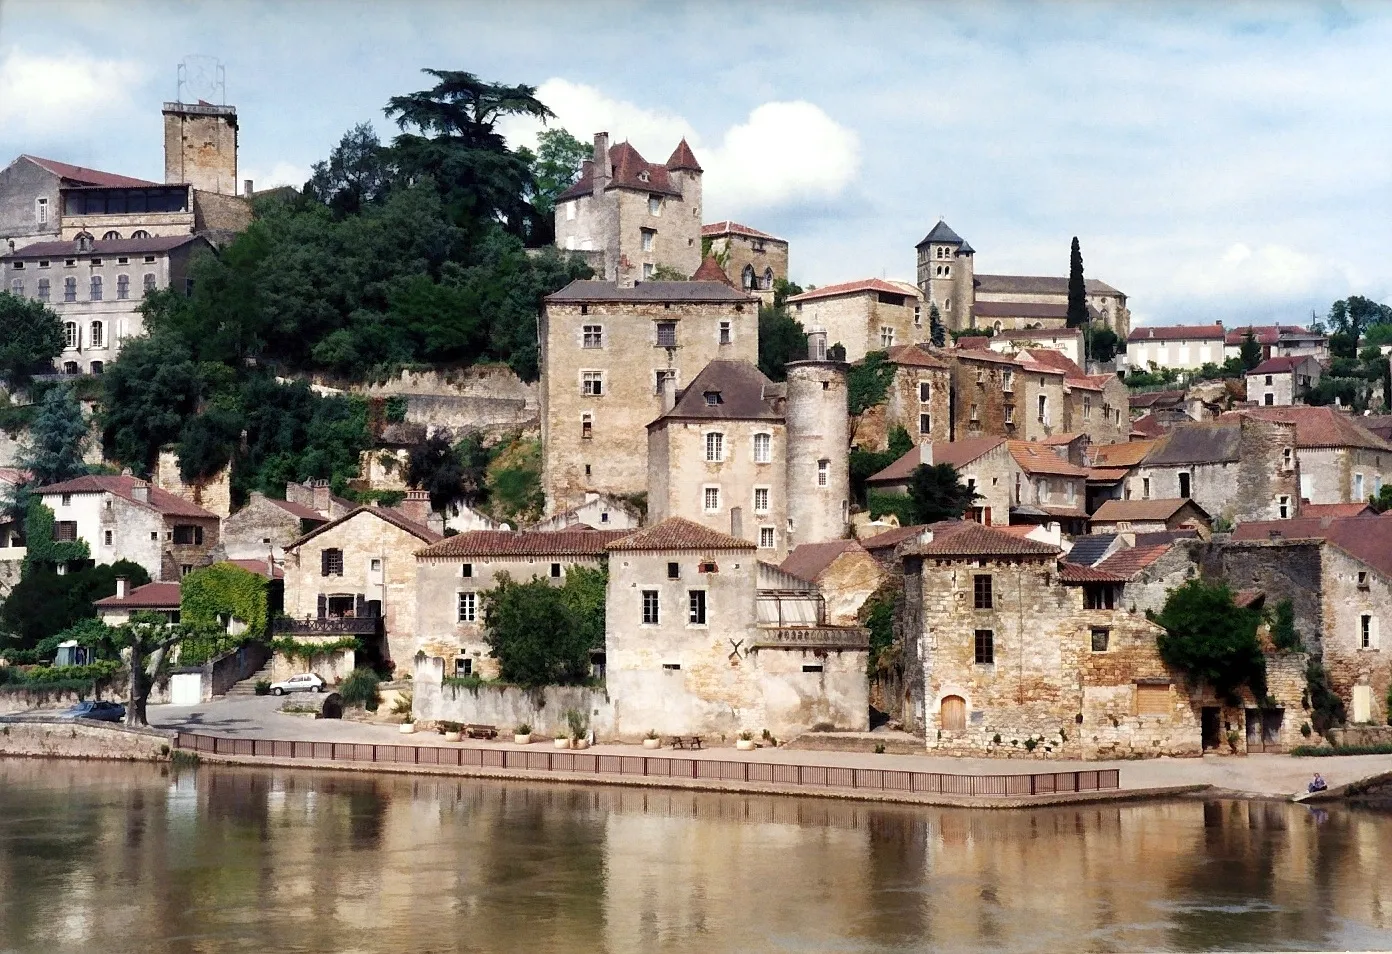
[[746, 564]]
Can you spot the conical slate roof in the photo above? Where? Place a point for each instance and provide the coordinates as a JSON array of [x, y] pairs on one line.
[[941, 233], [710, 271]]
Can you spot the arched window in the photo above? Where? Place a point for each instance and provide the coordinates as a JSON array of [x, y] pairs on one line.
[[96, 288], [747, 277], [947, 271], [70, 367], [97, 335], [123, 287], [947, 304], [69, 334], [111, 236], [953, 714], [768, 280], [140, 234]]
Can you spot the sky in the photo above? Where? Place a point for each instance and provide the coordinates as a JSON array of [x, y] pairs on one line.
[[1217, 162]]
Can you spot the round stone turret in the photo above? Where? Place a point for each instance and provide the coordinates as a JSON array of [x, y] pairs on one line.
[[819, 437]]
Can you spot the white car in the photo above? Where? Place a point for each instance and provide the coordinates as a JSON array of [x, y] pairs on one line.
[[304, 682]]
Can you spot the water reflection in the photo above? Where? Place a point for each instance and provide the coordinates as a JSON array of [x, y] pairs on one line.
[[134, 857]]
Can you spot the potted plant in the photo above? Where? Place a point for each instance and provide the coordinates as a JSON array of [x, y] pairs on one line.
[[522, 735], [452, 731], [562, 742], [651, 741], [402, 707], [579, 728], [745, 742]]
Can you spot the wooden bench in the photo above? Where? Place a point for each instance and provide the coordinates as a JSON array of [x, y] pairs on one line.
[[481, 731], [685, 741]]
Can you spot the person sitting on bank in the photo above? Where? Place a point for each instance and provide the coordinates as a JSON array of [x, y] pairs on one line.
[[1317, 784]]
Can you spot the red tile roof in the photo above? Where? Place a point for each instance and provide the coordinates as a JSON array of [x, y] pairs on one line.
[[892, 538], [710, 271], [1159, 509], [1036, 458], [1127, 454], [1319, 511], [1364, 537], [13, 475], [1059, 440], [80, 175], [1281, 365], [1057, 360], [298, 510], [1175, 333], [683, 159], [1130, 562], [524, 543], [734, 228], [392, 517], [1146, 428], [1319, 426], [863, 286], [972, 539], [807, 562], [1078, 573], [629, 169], [1267, 334], [973, 342], [159, 500], [911, 355], [678, 533], [149, 596], [987, 355], [259, 568], [1035, 334]]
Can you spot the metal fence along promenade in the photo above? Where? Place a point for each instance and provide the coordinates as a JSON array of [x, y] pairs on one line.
[[558, 762]]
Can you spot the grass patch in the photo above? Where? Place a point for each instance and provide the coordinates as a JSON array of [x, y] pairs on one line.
[[1317, 751]]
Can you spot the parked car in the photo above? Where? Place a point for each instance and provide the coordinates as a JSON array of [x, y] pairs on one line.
[[100, 711], [304, 682]]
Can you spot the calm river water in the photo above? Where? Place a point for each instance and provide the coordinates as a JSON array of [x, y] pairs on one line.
[[117, 857]]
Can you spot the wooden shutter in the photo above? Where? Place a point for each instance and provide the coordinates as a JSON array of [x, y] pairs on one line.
[[360, 607], [323, 605], [1153, 700], [323, 566]]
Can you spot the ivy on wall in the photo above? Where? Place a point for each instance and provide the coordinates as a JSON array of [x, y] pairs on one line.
[[39, 525], [868, 382], [208, 598], [308, 649]]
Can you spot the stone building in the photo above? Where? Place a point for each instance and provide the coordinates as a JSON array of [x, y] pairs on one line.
[[266, 526], [200, 146], [1005, 396], [1238, 468], [1148, 516], [452, 575], [1278, 341], [945, 265], [1282, 381], [984, 464], [356, 576], [752, 260], [766, 463], [636, 215], [919, 399], [864, 316], [1047, 489], [842, 571], [1175, 346], [1340, 460], [97, 287], [1066, 341], [606, 352], [1097, 405], [598, 512], [694, 646]]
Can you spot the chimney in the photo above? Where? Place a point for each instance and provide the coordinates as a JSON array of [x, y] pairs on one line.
[[737, 522], [246, 188], [667, 390], [320, 491], [121, 587], [603, 170], [140, 492], [416, 506]]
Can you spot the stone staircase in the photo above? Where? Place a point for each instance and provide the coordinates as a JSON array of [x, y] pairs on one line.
[[247, 687]]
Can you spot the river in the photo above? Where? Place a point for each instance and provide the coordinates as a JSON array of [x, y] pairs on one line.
[[113, 857]]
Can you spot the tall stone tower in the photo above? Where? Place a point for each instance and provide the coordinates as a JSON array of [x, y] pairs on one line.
[[819, 440], [200, 146], [946, 275]]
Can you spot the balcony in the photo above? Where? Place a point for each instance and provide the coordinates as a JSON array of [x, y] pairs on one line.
[[329, 626], [812, 637]]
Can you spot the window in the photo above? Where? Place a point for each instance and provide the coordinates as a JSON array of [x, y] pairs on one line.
[[468, 607], [747, 277], [467, 570], [763, 448], [1043, 409], [149, 282], [97, 334], [592, 383], [886, 337], [41, 211], [1358, 488], [123, 260], [918, 316], [463, 666], [112, 236], [140, 234], [648, 236], [188, 535], [982, 595], [570, 210], [713, 398], [1145, 488], [974, 415], [761, 499], [1362, 579], [672, 667], [674, 571], [925, 423], [767, 283], [1283, 507], [594, 336], [586, 426], [1100, 637], [650, 610], [43, 289], [654, 205], [1009, 414], [981, 376], [122, 287], [664, 374], [96, 367], [666, 334], [65, 531], [1099, 596], [725, 333], [17, 288], [767, 538], [1007, 380], [70, 289], [185, 569], [985, 647], [331, 562], [1087, 408], [96, 288], [1153, 699], [1183, 485], [715, 448], [823, 473], [70, 334], [555, 571], [696, 607], [711, 499], [1287, 458], [70, 367], [925, 392], [1268, 380], [1269, 399], [106, 538]]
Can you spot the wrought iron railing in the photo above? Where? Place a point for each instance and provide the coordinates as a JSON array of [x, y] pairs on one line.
[[330, 626]]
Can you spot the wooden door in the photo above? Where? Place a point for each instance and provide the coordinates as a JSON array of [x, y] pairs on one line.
[[954, 714]]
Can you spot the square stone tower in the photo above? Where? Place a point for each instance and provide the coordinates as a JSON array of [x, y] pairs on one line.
[[200, 146]]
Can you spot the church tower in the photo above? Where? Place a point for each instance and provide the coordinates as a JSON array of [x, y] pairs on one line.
[[946, 275]]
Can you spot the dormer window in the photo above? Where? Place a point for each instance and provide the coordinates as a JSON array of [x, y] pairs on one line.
[[713, 398], [643, 176], [84, 241]]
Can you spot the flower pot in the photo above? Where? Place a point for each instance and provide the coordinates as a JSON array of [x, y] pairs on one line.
[[579, 744], [652, 743], [453, 736], [522, 738], [408, 728], [563, 743], [746, 745]]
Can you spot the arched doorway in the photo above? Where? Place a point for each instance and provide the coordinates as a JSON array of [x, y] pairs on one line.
[[953, 714]]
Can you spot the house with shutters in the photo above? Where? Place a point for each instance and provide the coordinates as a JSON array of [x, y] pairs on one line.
[[1186, 347], [1340, 460], [356, 576]]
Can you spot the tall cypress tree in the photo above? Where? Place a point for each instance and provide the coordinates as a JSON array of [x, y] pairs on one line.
[[1077, 290], [937, 333]]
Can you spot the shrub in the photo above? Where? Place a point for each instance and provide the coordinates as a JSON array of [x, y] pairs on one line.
[[448, 726], [868, 381], [360, 689], [1316, 751], [1305, 729], [523, 728], [263, 687], [577, 722], [650, 734], [402, 704], [1283, 634], [746, 736], [879, 748], [1211, 638], [1030, 744]]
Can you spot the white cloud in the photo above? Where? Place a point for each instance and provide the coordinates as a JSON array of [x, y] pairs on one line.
[[280, 174], [40, 94], [584, 111]]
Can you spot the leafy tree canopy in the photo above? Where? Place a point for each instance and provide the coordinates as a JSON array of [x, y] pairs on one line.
[[31, 336], [541, 634], [559, 157], [937, 493], [1211, 638], [1077, 288], [449, 473], [57, 439], [45, 602], [781, 336]]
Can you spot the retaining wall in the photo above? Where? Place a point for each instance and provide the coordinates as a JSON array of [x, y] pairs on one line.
[[506, 706], [83, 740]]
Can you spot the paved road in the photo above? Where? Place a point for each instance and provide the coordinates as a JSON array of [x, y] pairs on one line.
[[1280, 775]]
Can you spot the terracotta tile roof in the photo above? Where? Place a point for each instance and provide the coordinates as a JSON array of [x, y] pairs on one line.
[[972, 539], [892, 538], [713, 229], [914, 356], [1057, 360], [1268, 334], [862, 286], [124, 487], [1151, 398], [984, 354], [1176, 333], [1379, 424], [298, 510], [13, 475], [1128, 454], [259, 568], [683, 159], [1319, 511], [107, 247], [678, 533], [1036, 458], [1107, 475], [392, 517], [150, 596], [741, 390], [1146, 429], [1021, 309], [628, 167], [710, 271], [1298, 528], [524, 543], [1060, 440], [1091, 382], [973, 343], [957, 453], [807, 561], [79, 175], [1114, 510], [1034, 334], [1281, 365], [1212, 442], [1319, 426], [1036, 285], [1130, 562], [1078, 573], [594, 290]]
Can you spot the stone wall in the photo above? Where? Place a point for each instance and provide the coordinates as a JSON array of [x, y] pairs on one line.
[[22, 183], [858, 321], [506, 706], [244, 533], [83, 740], [1353, 590], [762, 255], [333, 667], [213, 494], [905, 408]]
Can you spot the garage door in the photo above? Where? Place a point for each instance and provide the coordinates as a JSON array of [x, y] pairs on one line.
[[186, 689]]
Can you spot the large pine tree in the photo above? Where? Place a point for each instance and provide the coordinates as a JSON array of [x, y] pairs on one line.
[[1077, 290]]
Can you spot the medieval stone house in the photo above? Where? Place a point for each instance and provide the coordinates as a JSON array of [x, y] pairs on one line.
[[753, 260], [864, 316]]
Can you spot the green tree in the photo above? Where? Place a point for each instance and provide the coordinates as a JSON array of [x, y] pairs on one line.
[[781, 339], [449, 473], [148, 394], [45, 602], [1212, 639], [31, 336], [1250, 352], [149, 637], [57, 439], [559, 157], [865, 464], [358, 172], [541, 634], [1102, 342], [1077, 288], [938, 493], [936, 332], [1382, 501]]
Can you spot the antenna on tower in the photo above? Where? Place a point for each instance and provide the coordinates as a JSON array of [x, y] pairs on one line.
[[201, 79]]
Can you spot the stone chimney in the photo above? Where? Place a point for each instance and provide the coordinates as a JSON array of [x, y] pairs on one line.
[[246, 188], [121, 583], [667, 391], [603, 170], [140, 492], [415, 507], [319, 491]]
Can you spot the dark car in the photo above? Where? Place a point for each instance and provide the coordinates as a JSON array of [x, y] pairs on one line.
[[100, 711]]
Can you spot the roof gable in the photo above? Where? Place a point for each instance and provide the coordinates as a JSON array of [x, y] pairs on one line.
[[678, 533], [941, 233], [863, 286], [381, 513], [523, 543], [1317, 427], [808, 561], [727, 390], [124, 486], [969, 539]]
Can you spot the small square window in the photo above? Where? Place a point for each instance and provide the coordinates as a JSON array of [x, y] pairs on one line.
[[674, 571], [593, 336], [812, 668], [666, 334], [1101, 636], [555, 571], [592, 383], [672, 667]]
